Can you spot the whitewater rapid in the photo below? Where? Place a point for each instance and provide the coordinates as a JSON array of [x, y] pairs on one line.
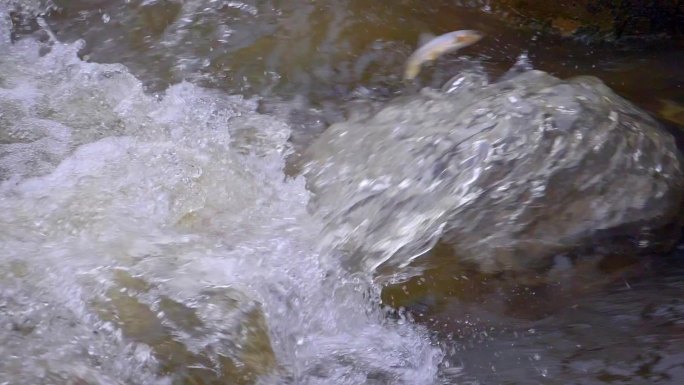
[[154, 238]]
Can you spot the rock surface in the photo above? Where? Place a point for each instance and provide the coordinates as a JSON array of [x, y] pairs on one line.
[[509, 174], [616, 18]]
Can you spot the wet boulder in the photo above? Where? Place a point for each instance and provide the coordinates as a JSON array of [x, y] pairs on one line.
[[510, 174]]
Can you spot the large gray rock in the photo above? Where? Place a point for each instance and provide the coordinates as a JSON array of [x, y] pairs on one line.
[[510, 174]]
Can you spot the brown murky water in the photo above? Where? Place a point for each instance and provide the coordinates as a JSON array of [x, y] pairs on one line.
[[621, 322], [326, 50]]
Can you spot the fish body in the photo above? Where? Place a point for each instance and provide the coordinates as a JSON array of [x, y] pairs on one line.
[[437, 47]]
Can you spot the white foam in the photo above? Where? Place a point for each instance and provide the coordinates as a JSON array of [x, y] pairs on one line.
[[187, 192]]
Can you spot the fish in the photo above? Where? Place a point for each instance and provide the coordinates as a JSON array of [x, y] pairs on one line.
[[434, 47]]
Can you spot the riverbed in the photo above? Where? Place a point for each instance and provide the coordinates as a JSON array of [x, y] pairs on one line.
[[154, 222]]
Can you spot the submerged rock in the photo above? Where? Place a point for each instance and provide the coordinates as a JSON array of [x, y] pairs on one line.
[[510, 174], [221, 338]]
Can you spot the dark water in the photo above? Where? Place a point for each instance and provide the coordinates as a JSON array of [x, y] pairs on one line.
[[326, 50], [621, 322]]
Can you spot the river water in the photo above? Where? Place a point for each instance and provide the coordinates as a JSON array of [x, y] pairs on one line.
[[154, 229]]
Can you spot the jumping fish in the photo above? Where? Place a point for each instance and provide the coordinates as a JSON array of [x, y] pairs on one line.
[[438, 46]]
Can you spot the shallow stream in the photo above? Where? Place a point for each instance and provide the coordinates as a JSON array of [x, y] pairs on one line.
[[154, 228]]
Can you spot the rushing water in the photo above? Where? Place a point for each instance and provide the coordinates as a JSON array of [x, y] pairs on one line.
[[149, 237], [151, 231]]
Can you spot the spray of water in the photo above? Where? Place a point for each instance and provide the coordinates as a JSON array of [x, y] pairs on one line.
[[155, 239]]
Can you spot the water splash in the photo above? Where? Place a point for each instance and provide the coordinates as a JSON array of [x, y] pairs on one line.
[[155, 238], [509, 174]]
